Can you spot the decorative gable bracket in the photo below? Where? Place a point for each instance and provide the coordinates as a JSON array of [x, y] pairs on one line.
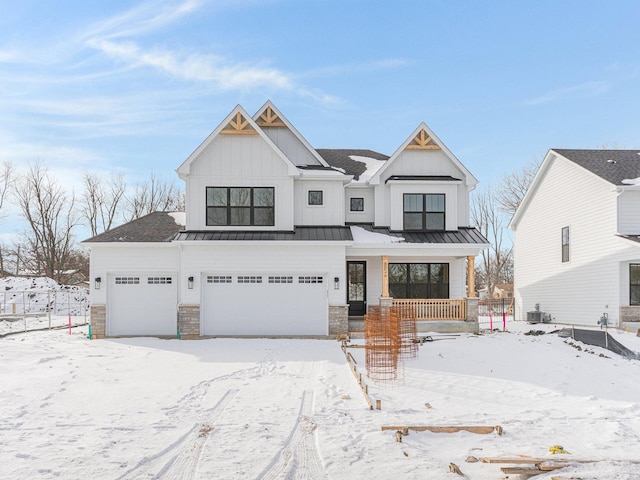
[[238, 126], [423, 141], [269, 118]]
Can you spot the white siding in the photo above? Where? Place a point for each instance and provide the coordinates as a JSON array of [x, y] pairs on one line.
[[367, 216], [580, 290], [629, 213], [331, 211], [291, 146], [238, 161]]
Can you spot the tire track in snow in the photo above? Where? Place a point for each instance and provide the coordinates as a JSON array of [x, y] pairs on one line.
[[184, 454], [299, 459]]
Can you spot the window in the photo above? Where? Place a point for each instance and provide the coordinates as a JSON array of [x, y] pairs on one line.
[[357, 204], [565, 244], [249, 279], [219, 279], [310, 279], [634, 284], [127, 280], [280, 279], [159, 280], [424, 211], [419, 280], [240, 206], [315, 197]]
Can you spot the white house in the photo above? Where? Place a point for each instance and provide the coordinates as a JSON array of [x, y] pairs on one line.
[[279, 238], [577, 238]]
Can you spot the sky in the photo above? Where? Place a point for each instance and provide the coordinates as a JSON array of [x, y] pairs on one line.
[[133, 87]]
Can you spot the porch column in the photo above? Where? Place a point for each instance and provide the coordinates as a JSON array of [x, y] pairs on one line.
[[385, 276], [471, 276]]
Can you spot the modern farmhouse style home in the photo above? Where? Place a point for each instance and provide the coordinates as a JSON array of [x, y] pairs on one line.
[[577, 239], [281, 239]]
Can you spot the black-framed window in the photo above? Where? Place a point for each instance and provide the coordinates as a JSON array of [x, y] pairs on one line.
[[424, 211], [565, 244], [419, 280], [634, 284], [356, 204], [240, 206], [315, 197]]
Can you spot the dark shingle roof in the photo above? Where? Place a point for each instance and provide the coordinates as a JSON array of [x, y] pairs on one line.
[[325, 234], [462, 235], [611, 165], [154, 227], [339, 158]]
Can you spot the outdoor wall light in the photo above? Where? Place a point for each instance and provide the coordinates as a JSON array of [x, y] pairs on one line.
[[336, 283], [98, 282], [190, 283]]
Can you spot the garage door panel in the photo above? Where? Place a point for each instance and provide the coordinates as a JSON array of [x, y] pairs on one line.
[[265, 305], [142, 304]]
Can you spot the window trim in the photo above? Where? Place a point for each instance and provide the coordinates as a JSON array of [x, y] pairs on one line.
[[229, 208], [309, 203], [351, 209], [632, 285], [425, 213], [565, 247]]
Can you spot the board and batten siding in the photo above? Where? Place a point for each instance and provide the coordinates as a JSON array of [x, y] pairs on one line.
[[423, 163], [250, 258], [331, 212], [291, 146], [581, 290], [366, 216], [130, 259], [629, 213], [238, 161]]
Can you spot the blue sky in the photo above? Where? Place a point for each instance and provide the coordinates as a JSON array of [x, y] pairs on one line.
[[135, 86]]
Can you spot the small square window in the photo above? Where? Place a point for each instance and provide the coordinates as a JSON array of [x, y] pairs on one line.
[[315, 197], [357, 204]]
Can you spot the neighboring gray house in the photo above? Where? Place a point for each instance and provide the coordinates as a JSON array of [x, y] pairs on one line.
[[577, 238], [279, 238]]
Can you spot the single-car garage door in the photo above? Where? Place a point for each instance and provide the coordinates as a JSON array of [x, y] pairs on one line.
[[142, 304], [264, 305]]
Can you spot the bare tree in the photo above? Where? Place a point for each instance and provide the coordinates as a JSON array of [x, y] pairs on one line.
[[6, 180], [514, 186], [496, 265], [49, 213], [154, 195], [101, 201]]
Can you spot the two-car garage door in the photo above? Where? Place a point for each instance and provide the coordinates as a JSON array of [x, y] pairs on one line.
[[142, 304], [264, 305]]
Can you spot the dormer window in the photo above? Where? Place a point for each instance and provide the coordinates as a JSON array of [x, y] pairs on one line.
[[315, 197], [240, 206], [424, 211]]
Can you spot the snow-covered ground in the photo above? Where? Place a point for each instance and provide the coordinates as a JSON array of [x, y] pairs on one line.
[[38, 302], [258, 408]]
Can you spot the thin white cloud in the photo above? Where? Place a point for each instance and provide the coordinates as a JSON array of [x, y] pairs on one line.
[[584, 90], [363, 67]]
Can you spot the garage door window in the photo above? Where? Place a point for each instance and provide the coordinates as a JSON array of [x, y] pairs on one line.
[[219, 279], [159, 280], [249, 279], [127, 280], [280, 279], [310, 279]]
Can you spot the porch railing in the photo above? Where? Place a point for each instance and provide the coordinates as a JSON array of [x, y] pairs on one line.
[[432, 309]]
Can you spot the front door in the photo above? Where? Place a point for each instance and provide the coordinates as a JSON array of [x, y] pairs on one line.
[[357, 288]]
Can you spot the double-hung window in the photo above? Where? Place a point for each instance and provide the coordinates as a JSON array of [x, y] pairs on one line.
[[424, 211], [240, 206]]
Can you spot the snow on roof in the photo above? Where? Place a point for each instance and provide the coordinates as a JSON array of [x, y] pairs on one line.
[[179, 217], [360, 235], [373, 165], [631, 181]]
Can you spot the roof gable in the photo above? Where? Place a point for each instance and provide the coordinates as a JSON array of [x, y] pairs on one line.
[[268, 116], [423, 138], [238, 122]]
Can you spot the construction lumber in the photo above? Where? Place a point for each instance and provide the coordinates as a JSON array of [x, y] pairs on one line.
[[521, 471], [453, 468], [445, 429], [516, 460]]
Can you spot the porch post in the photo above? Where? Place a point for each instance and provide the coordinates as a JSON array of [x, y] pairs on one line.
[[385, 276], [471, 276]]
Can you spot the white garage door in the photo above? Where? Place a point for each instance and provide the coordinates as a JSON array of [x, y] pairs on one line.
[[264, 305], [142, 304]]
